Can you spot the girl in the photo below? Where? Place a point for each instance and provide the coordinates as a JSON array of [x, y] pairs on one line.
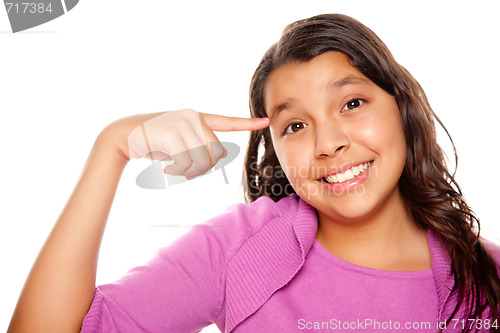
[[354, 223]]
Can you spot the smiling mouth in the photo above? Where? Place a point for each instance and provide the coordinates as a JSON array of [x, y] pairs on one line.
[[348, 174]]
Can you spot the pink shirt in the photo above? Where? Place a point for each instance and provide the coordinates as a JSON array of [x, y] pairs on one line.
[[335, 295], [258, 268]]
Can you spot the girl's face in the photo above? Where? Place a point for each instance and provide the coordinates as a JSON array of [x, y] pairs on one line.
[[337, 135]]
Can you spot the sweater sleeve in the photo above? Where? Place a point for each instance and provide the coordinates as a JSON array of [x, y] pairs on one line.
[[182, 289], [179, 290]]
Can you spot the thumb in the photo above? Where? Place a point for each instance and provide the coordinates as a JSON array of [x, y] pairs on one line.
[[227, 124]]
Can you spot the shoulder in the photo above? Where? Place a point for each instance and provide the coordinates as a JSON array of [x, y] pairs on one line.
[[225, 234], [242, 220], [265, 208], [493, 249]]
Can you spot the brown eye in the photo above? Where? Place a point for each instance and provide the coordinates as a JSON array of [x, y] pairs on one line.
[[353, 104], [294, 127]]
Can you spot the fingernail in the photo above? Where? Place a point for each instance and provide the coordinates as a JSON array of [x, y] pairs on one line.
[[265, 118]]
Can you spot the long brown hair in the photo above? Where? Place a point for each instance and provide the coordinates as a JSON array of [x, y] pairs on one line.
[[429, 190]]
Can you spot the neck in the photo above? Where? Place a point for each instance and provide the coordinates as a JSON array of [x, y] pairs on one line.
[[389, 239]]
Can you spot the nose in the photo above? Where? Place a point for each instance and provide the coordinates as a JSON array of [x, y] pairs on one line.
[[331, 139]]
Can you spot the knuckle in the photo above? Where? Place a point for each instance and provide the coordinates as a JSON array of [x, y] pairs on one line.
[[190, 113], [205, 170], [202, 166], [198, 169], [217, 151], [183, 125], [206, 165], [180, 167]]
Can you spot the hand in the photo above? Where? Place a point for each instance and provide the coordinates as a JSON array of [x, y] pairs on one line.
[[185, 136]]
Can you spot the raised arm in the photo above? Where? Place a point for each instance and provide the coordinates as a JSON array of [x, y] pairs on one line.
[[61, 284]]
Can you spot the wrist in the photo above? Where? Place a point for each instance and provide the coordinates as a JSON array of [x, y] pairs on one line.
[[109, 143]]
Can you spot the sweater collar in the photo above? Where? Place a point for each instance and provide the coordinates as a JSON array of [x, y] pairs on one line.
[[305, 227], [441, 269], [270, 258]]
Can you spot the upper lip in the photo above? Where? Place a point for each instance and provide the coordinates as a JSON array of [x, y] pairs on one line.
[[342, 168]]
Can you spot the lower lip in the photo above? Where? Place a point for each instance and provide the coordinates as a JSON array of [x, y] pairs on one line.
[[349, 185]]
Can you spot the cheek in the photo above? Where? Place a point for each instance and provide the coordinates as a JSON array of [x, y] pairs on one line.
[[296, 166], [294, 158], [393, 136], [387, 139], [290, 162], [382, 131]]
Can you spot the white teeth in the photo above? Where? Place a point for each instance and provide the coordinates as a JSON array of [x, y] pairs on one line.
[[341, 177], [348, 174]]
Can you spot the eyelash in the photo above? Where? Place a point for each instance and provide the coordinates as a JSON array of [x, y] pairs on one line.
[[345, 108], [285, 130]]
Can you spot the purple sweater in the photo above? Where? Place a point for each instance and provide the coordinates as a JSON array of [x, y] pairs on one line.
[[258, 268]]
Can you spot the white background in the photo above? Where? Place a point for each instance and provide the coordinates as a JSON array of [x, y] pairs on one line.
[[62, 82]]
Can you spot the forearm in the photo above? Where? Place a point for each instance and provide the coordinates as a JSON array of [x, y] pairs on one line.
[[60, 287]]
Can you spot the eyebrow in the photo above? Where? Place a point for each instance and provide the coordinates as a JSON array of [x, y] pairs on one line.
[[350, 80], [275, 111], [335, 84]]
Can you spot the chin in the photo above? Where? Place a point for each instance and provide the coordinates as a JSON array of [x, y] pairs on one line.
[[349, 207], [350, 214]]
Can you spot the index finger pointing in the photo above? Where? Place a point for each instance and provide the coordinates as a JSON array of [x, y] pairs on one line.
[[227, 124]]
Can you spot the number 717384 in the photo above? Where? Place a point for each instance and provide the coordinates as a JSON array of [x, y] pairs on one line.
[[28, 7]]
